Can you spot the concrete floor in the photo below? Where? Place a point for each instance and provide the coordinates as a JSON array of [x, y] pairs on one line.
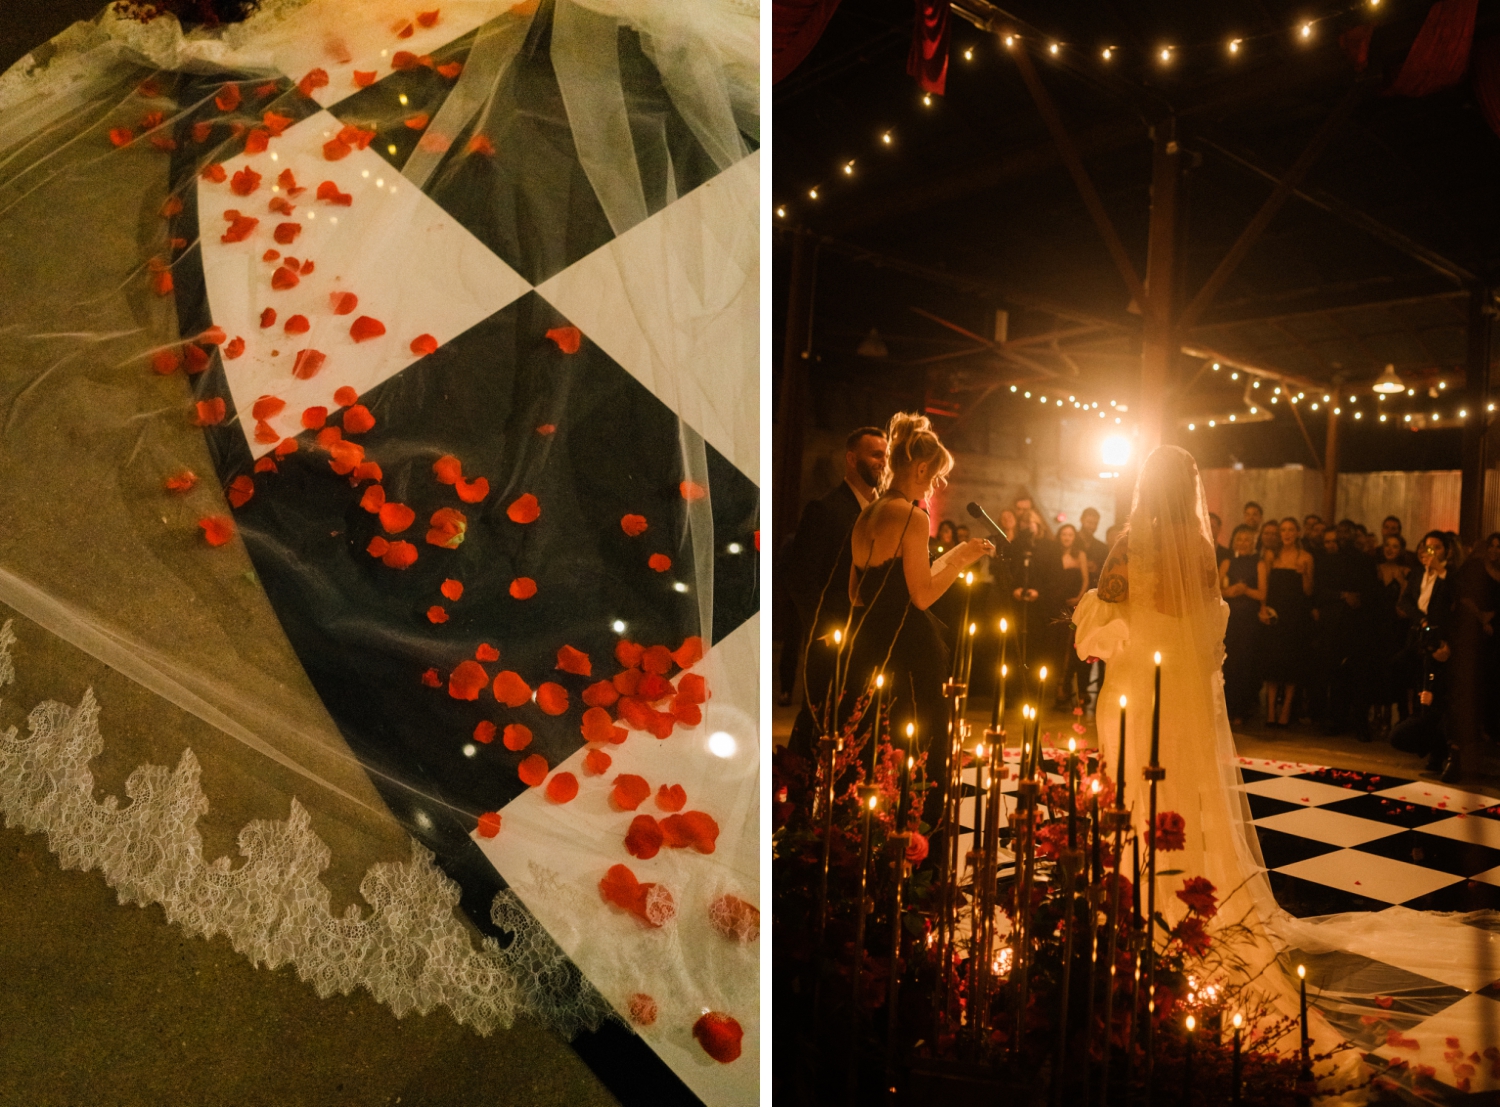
[[112, 1006]]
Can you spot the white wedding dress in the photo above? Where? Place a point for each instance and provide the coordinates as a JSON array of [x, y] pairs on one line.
[[1173, 606]]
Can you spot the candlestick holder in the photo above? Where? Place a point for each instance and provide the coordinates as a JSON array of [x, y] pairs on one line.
[[897, 845], [1117, 820], [1026, 795], [1071, 862], [869, 796]]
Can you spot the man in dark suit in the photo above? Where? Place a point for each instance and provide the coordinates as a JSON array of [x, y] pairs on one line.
[[817, 573]]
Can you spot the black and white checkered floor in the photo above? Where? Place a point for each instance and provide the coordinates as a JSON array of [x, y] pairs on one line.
[[1337, 840]]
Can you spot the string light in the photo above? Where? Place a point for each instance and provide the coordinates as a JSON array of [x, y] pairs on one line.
[[1234, 48], [1306, 31], [1053, 49], [969, 54], [1165, 55], [1010, 40], [886, 138], [781, 213], [849, 169], [1107, 53], [812, 193], [927, 99]]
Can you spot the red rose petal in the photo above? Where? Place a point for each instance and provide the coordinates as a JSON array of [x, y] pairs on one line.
[[235, 348], [633, 524], [213, 336], [121, 136], [276, 123], [720, 1036], [688, 714], [517, 736], [181, 481], [265, 433], [307, 364], [447, 528], [257, 140], [424, 344], [435, 143], [436, 614], [214, 173], [343, 303], [524, 510], [208, 413], [313, 418], [330, 192], [644, 838], [522, 588], [430, 677], [511, 690], [240, 490], [366, 470], [642, 1009], [217, 529], [451, 70], [660, 562], [244, 182], [562, 787], [427, 19], [403, 59], [172, 207], [487, 652], [471, 492], [447, 469], [265, 464], [552, 698], [286, 233], [297, 324], [166, 362], [627, 681], [596, 762], [346, 455], [567, 338], [307, 267], [401, 555], [201, 131], [484, 732], [546, 429], [285, 278], [692, 491], [229, 98], [466, 680], [629, 792], [240, 226], [288, 181], [328, 436], [703, 831], [162, 142], [358, 420], [672, 798], [268, 317], [627, 653], [597, 725], [454, 590], [653, 687], [419, 121], [574, 661], [406, 31], [532, 770], [286, 446], [656, 659], [373, 499], [364, 78], [489, 822], [600, 694], [689, 653], [162, 282], [691, 689], [345, 396], [366, 327], [314, 80], [378, 547], [395, 518]]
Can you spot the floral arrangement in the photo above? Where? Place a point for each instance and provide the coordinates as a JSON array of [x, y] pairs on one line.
[[830, 1049]]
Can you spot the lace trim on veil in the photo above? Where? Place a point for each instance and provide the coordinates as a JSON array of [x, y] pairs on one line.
[[409, 950]]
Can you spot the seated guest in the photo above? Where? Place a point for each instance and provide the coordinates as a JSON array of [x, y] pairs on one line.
[[1239, 579], [817, 572]]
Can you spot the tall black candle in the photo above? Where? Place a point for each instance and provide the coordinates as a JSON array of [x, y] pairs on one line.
[[1156, 714], [1120, 761], [1072, 793], [1135, 886], [907, 755]]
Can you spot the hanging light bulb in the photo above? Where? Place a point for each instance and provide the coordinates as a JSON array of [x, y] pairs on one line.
[[1010, 40], [886, 138], [1165, 54], [1108, 52], [812, 193], [1234, 46], [1305, 31], [927, 99], [781, 213], [969, 54], [1388, 381], [849, 169]]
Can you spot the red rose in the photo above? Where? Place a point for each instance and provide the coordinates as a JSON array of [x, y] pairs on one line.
[[1199, 894], [1191, 933], [1171, 831], [916, 852]]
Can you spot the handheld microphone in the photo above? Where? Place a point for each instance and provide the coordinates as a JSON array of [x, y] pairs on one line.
[[977, 512]]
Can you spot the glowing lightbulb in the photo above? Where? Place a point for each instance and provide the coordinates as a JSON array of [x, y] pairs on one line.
[[1004, 671], [927, 100], [1044, 672], [972, 626], [1306, 31], [1234, 48], [1166, 54], [886, 138], [781, 213], [849, 169], [1108, 52], [1010, 40], [812, 194], [1052, 49], [969, 54]]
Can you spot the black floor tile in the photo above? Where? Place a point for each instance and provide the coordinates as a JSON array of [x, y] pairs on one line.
[[1384, 809], [1280, 849], [1465, 895], [1434, 852], [1263, 807], [1305, 898]]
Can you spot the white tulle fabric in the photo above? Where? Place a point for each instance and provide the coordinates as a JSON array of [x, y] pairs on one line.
[[1174, 607]]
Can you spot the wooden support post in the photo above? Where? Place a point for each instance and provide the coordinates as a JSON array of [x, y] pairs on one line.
[[1331, 468], [1476, 403], [791, 410], [1158, 328]]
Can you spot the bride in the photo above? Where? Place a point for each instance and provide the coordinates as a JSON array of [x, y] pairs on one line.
[[1158, 592]]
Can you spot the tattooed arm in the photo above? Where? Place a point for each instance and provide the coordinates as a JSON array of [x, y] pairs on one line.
[[1114, 578]]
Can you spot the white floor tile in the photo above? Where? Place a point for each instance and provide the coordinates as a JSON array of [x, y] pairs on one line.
[[1280, 768], [1367, 874], [1439, 796], [1309, 792], [1462, 828], [1332, 827], [1474, 1022]]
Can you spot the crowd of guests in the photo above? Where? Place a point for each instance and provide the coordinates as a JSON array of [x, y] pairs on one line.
[[1332, 626], [1353, 631]]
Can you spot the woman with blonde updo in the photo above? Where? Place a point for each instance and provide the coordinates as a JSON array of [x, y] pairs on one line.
[[892, 586]]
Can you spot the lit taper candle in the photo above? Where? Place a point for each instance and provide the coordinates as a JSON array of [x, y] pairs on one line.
[[1156, 713]]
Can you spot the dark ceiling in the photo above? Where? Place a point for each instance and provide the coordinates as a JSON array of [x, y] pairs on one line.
[[970, 209]]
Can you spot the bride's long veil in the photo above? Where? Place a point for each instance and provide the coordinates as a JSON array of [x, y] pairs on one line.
[[1377, 971]]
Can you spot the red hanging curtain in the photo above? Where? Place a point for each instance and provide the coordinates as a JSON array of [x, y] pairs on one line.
[[1440, 53], [796, 26], [928, 60]]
